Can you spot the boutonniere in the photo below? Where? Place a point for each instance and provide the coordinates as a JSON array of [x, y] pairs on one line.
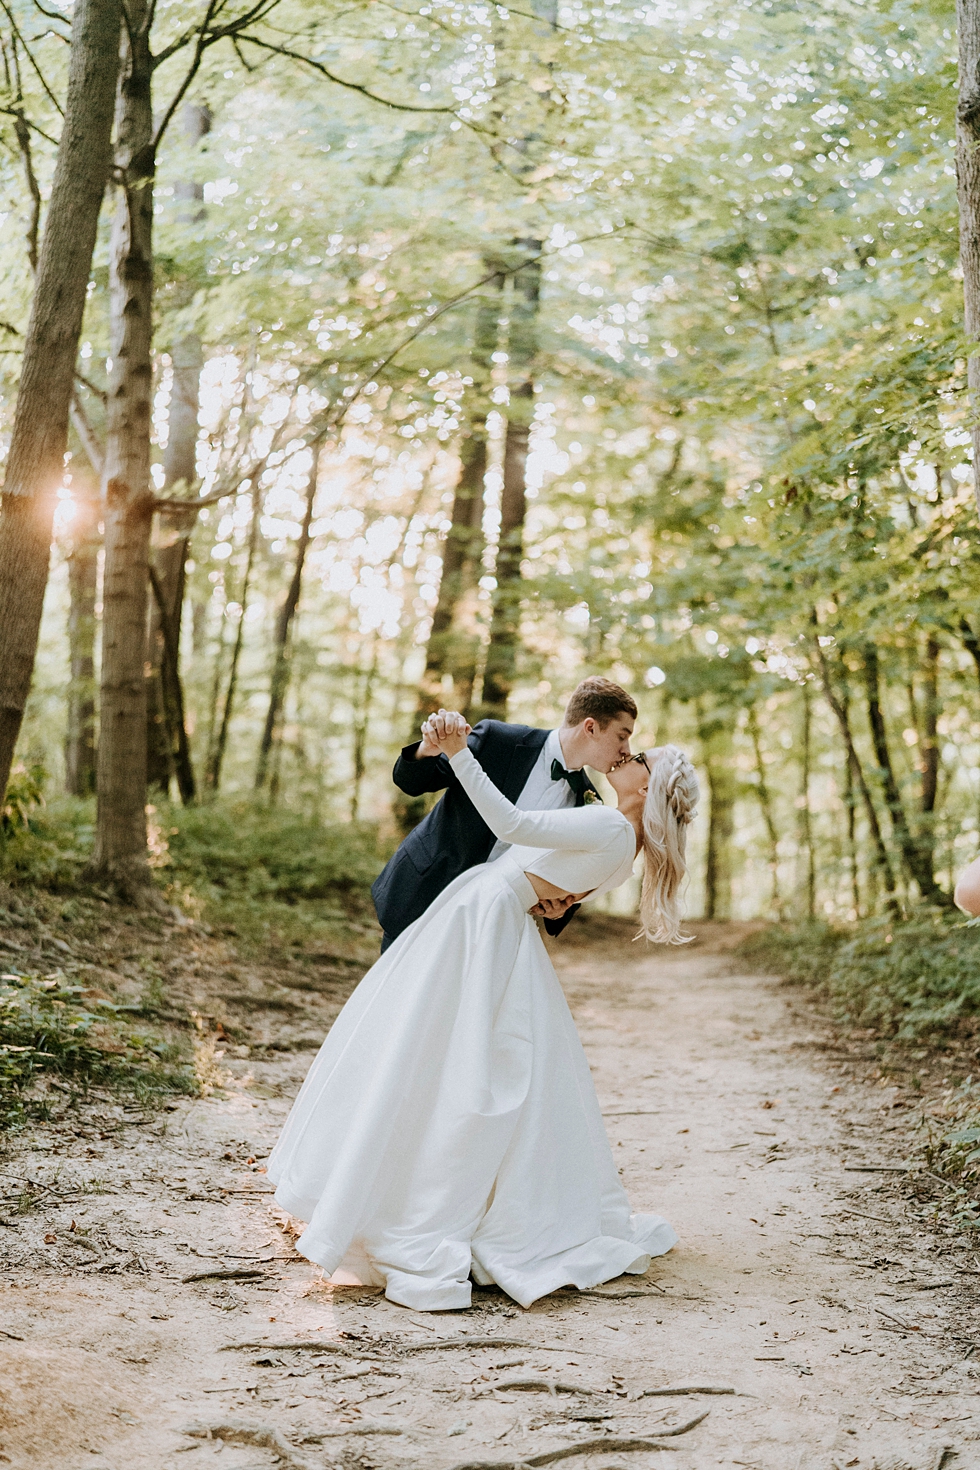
[[590, 797]]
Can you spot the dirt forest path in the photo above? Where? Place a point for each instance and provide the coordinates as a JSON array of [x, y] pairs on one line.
[[153, 1312]]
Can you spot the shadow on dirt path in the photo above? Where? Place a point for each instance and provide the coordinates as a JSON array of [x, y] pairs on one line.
[[153, 1306]]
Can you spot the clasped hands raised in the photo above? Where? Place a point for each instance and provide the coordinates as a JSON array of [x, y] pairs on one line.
[[445, 733]]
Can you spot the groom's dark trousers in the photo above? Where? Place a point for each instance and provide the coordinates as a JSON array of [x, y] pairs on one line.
[[453, 837]]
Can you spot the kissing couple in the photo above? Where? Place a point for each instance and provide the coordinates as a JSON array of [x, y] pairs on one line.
[[448, 1131]]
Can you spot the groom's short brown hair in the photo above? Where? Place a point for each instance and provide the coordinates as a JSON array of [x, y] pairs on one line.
[[598, 699]]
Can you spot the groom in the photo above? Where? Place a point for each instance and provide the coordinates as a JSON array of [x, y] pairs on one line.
[[536, 769]]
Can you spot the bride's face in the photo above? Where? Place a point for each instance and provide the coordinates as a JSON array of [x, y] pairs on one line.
[[633, 775]]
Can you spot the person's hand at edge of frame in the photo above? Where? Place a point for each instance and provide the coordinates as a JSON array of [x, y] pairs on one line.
[[966, 894]]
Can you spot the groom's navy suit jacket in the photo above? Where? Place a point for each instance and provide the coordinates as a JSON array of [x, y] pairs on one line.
[[453, 837]]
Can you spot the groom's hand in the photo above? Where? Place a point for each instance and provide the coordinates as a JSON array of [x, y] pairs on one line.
[[427, 745], [551, 908]]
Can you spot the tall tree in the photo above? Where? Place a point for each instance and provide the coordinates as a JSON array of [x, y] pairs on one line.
[[840, 704], [809, 886], [120, 854], [766, 804], [219, 736], [37, 448], [716, 730], [916, 858], [83, 566], [279, 682], [167, 745], [120, 842], [452, 648], [968, 190], [501, 662], [929, 751]]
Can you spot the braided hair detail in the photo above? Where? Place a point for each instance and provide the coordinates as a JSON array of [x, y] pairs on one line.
[[669, 809]]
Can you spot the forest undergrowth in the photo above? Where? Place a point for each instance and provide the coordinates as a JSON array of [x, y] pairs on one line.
[[903, 995], [94, 998]]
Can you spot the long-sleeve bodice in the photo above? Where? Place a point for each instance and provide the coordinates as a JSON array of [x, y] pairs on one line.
[[585, 849]]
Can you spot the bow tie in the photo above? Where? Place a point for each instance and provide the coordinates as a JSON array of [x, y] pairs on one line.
[[575, 779]]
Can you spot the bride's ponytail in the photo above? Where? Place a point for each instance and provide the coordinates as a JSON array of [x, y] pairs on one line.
[[671, 805]]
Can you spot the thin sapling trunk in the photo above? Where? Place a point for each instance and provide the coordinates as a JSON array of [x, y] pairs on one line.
[[766, 805], [806, 820], [216, 755], [917, 860], [841, 713], [284, 623], [83, 569]]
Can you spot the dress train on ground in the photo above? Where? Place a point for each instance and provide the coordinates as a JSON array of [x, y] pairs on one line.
[[449, 1127]]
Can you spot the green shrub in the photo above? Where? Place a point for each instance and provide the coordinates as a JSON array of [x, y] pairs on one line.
[[47, 847], [51, 1027], [802, 953], [222, 850], [910, 980], [904, 978], [245, 850], [24, 794], [273, 878]]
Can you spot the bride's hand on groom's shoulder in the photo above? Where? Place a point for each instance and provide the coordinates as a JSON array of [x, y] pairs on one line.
[[445, 733]]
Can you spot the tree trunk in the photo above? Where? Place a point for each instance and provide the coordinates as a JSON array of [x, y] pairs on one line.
[[715, 732], [120, 840], [362, 723], [167, 744], [968, 191], [850, 808], [171, 690], [284, 623], [501, 663], [842, 715], [214, 700], [917, 861], [765, 802], [165, 730], [930, 743], [216, 755], [806, 821], [166, 738], [83, 566], [40, 434], [451, 649]]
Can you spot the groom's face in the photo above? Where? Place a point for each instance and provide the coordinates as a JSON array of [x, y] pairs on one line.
[[610, 745]]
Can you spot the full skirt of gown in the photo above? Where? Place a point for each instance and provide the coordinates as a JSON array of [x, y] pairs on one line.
[[449, 1126]]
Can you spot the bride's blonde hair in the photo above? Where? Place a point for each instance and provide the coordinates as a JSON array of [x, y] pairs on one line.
[[670, 806]]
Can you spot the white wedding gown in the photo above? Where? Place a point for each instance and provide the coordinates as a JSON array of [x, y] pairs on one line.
[[449, 1126]]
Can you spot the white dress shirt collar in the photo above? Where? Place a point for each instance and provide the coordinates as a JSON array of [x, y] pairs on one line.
[[552, 750]]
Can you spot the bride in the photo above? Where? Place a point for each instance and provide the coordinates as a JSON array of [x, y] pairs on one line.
[[448, 1130]]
